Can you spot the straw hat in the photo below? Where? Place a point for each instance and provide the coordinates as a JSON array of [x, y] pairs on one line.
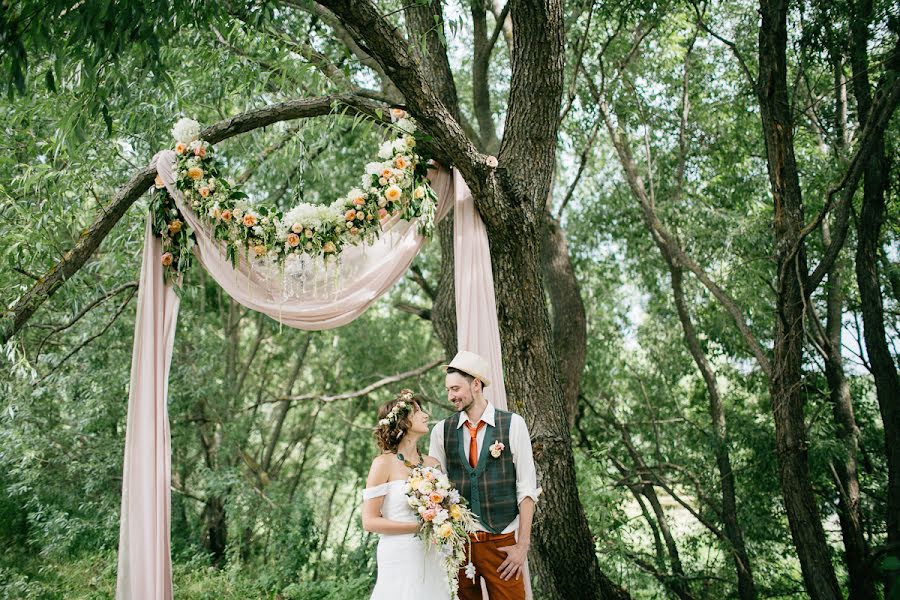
[[472, 364]]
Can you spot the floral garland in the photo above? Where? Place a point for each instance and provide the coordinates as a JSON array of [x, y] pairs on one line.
[[395, 185]]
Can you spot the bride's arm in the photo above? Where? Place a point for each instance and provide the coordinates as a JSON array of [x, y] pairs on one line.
[[372, 520]]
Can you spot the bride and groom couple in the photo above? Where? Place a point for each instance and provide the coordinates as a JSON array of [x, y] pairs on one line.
[[486, 453]]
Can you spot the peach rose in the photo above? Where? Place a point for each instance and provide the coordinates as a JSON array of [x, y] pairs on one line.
[[293, 240], [160, 184], [382, 213], [249, 220], [329, 247], [195, 173], [359, 201], [354, 231], [392, 194], [435, 497], [259, 249], [167, 259], [204, 191], [200, 151], [387, 173], [226, 215], [400, 162], [180, 148], [350, 215], [429, 514], [398, 113], [297, 228], [174, 226]]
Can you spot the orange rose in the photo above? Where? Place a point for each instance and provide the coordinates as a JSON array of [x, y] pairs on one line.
[[329, 247], [160, 184], [174, 226], [435, 497], [360, 201], [350, 215], [387, 173], [259, 249], [226, 215], [249, 220], [180, 148], [195, 173], [293, 240], [400, 162], [167, 259], [204, 191]]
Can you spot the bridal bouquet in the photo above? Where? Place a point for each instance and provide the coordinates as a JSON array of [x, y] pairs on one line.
[[446, 519]]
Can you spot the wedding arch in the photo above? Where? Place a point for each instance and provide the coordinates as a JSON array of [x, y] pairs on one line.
[[313, 267]]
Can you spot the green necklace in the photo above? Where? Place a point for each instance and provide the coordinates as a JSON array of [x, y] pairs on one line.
[[402, 459]]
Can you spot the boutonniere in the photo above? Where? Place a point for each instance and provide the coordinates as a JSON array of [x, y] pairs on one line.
[[496, 449]]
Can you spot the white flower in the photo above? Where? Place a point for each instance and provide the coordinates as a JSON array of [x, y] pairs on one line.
[[386, 150], [470, 571], [384, 422], [491, 161], [399, 145], [454, 497], [441, 516], [257, 230], [496, 449], [373, 168], [186, 131]]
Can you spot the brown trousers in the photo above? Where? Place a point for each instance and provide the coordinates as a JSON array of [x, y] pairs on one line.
[[487, 558]]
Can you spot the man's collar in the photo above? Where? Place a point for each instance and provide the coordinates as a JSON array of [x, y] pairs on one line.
[[487, 416]]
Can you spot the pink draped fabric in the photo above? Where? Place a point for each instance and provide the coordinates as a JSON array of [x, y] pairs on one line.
[[310, 295], [145, 570]]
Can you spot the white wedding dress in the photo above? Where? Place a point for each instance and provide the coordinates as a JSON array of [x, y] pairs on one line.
[[405, 570]]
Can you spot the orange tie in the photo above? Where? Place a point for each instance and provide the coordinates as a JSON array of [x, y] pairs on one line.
[[473, 442]]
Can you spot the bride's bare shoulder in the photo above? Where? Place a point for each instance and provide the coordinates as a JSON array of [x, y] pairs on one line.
[[431, 461], [380, 471]]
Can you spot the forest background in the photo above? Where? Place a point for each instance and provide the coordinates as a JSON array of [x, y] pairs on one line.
[[695, 236]]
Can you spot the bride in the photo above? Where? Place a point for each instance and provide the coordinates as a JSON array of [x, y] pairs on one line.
[[406, 570]]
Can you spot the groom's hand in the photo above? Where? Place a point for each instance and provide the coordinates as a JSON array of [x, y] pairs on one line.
[[514, 563]]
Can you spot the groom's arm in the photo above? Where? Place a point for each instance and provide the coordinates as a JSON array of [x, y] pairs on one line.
[[436, 445], [527, 493]]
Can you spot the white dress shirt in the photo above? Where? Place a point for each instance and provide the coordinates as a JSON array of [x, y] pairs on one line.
[[519, 445]]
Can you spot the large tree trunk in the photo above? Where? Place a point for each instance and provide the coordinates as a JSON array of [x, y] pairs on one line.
[[785, 385], [569, 322], [871, 217]]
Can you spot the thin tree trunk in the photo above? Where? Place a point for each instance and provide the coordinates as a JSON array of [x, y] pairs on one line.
[[785, 385], [871, 217], [738, 550]]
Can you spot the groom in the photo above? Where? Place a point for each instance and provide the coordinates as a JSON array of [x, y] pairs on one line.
[[487, 454]]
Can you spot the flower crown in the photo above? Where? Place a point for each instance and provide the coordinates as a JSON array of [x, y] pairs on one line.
[[399, 410]]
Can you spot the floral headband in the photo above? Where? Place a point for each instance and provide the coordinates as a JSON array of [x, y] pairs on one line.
[[400, 410]]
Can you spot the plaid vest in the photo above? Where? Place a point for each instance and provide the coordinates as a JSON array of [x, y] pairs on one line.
[[490, 487]]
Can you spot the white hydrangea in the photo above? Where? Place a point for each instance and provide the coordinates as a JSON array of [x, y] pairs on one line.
[[399, 145], [386, 150], [186, 131], [373, 168]]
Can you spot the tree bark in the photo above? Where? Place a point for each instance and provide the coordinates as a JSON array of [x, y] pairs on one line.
[[785, 385], [871, 217], [569, 322]]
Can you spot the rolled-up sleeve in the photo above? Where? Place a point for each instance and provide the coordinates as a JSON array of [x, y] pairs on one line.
[[523, 458], [436, 445]]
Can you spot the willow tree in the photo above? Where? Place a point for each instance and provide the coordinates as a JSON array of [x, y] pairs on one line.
[[510, 189]]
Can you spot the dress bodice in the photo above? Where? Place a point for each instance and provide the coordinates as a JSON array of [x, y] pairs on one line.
[[395, 506]]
